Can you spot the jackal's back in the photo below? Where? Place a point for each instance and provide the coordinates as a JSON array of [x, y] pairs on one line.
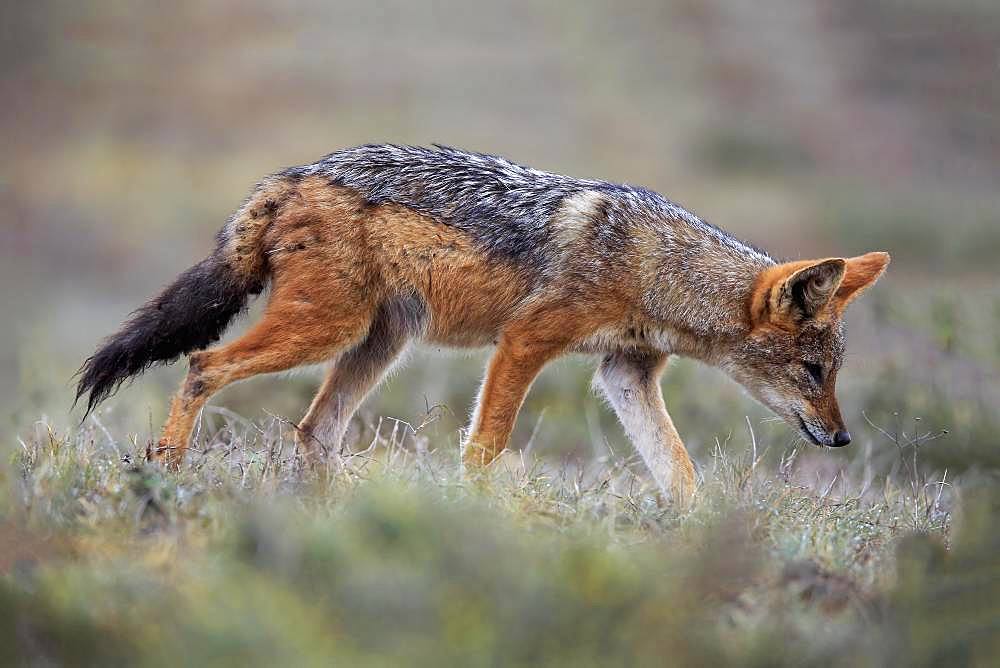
[[505, 206]]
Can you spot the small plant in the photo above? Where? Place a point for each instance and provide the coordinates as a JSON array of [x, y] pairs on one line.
[[927, 513], [946, 323]]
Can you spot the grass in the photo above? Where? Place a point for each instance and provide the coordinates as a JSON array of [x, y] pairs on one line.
[[394, 558]]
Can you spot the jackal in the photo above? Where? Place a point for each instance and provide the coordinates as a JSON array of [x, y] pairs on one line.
[[374, 247]]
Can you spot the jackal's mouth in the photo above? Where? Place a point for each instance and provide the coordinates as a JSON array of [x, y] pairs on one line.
[[807, 432]]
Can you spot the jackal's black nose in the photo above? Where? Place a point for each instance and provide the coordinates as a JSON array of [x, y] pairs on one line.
[[841, 438]]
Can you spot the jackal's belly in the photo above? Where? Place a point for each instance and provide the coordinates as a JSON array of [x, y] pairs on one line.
[[468, 307], [468, 295]]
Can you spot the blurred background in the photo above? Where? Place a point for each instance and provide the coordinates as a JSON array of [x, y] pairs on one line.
[[130, 131]]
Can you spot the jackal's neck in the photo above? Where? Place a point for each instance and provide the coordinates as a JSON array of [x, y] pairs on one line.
[[699, 293]]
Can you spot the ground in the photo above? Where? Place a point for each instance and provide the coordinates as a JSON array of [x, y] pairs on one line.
[[390, 556]]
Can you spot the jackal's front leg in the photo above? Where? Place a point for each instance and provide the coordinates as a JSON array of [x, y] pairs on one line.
[[518, 359], [631, 382]]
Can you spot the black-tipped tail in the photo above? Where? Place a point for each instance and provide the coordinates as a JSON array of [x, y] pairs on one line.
[[190, 314]]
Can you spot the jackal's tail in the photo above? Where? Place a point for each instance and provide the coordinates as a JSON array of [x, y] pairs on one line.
[[193, 311]]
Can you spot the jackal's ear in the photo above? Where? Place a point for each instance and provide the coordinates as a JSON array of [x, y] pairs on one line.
[[789, 293], [860, 273]]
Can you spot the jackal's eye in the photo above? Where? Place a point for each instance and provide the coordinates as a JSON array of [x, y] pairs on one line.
[[815, 370]]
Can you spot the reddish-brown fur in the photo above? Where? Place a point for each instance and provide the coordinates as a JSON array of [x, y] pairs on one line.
[[336, 260]]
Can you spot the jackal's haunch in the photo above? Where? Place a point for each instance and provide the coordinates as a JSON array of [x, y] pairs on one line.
[[373, 247]]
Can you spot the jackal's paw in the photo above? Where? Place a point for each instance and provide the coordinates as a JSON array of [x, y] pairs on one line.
[[683, 494], [164, 453], [307, 447], [476, 455], [684, 485]]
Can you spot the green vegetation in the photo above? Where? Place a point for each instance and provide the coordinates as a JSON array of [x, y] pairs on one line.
[[393, 558]]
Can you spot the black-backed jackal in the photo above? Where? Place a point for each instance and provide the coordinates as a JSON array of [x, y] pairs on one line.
[[374, 247]]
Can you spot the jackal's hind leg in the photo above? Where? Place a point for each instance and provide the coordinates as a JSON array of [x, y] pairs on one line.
[[291, 333], [352, 377], [631, 382]]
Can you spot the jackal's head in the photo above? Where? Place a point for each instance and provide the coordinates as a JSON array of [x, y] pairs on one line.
[[790, 359]]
